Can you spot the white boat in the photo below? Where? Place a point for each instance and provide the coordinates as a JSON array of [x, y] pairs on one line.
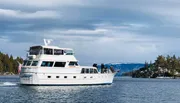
[[51, 65]]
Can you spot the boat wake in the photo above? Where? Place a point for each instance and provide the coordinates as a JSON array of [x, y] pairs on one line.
[[6, 84]]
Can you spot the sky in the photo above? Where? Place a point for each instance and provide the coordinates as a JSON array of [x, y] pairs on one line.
[[99, 31]]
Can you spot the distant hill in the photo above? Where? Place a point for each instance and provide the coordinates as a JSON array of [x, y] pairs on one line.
[[124, 67]]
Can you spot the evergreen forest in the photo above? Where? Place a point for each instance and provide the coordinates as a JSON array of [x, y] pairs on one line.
[[9, 64], [163, 66]]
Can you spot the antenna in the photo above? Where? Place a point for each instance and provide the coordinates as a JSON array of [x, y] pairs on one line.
[[47, 41]]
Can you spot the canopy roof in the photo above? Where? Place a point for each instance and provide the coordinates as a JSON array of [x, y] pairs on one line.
[[51, 47]]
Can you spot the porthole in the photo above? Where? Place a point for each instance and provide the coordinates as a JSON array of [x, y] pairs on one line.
[[65, 76], [57, 76], [49, 76], [74, 76]]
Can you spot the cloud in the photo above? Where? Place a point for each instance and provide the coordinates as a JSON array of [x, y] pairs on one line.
[[41, 3], [28, 15], [79, 31], [102, 31]]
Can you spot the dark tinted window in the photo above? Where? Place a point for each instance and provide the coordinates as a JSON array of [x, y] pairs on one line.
[[83, 70], [87, 70], [69, 52], [35, 50], [91, 70], [47, 64], [60, 64], [35, 63], [48, 51], [73, 64], [95, 71], [58, 52], [25, 62], [28, 63]]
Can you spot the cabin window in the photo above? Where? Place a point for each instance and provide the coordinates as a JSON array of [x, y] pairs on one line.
[[65, 76], [74, 76], [28, 63], [35, 63], [25, 62], [87, 70], [49, 76], [35, 50], [69, 52], [83, 70], [57, 76], [48, 51], [59, 64], [73, 64], [47, 64], [95, 71], [58, 52], [91, 70]]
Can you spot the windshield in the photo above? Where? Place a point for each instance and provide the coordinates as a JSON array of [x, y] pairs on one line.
[[73, 64], [25, 62], [35, 50], [69, 52]]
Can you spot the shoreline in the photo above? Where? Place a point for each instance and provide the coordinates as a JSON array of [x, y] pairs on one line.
[[9, 75]]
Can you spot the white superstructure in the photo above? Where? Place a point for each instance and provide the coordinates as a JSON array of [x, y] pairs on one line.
[[51, 65]]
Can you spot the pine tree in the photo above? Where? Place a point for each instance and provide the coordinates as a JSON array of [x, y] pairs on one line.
[[8, 64], [1, 66], [146, 65]]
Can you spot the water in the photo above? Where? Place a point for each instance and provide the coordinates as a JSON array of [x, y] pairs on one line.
[[123, 90]]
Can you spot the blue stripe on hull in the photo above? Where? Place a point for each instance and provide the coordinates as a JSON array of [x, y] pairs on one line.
[[65, 84]]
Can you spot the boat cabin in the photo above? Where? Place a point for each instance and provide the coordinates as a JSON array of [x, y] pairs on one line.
[[54, 53]]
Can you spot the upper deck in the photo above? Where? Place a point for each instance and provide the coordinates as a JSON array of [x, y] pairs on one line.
[[55, 53], [50, 50]]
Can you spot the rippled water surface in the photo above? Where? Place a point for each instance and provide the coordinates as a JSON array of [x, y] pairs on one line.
[[123, 90]]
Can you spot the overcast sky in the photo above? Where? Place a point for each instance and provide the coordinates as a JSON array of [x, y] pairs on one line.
[[101, 31]]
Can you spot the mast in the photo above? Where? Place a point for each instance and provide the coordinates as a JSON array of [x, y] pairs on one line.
[[47, 41]]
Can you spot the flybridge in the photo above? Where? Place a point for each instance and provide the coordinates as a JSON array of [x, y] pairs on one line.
[[49, 50]]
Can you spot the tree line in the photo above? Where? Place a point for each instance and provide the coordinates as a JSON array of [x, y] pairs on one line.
[[9, 64], [167, 66]]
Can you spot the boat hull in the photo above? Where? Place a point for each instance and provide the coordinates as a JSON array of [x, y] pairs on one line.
[[42, 79]]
